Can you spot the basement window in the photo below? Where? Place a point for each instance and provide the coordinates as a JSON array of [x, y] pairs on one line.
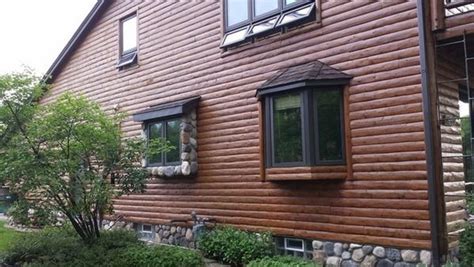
[[145, 231], [294, 247], [128, 41], [244, 19]]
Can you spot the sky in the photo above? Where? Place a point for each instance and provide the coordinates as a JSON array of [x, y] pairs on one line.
[[33, 32]]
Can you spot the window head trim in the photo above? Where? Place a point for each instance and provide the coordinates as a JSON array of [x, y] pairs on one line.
[[167, 110]]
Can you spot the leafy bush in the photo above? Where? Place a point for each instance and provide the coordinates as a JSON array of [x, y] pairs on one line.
[[164, 256], [470, 202], [50, 244], [42, 215], [235, 247], [467, 246], [281, 261], [117, 248]]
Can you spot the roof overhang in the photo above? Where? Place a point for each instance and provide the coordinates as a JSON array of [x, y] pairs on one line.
[[167, 110], [76, 39], [312, 74]]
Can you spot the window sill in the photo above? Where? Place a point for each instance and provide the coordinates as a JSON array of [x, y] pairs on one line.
[[335, 172]]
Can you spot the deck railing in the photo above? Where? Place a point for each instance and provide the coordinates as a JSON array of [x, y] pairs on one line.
[[456, 7]]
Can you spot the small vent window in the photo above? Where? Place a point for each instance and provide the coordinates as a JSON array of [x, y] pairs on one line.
[[295, 247]]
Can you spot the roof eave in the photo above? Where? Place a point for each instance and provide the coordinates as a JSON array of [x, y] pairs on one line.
[[75, 40]]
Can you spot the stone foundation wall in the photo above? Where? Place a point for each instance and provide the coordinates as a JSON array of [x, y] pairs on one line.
[[174, 235], [335, 254]]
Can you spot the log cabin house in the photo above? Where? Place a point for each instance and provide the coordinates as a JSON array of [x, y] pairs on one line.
[[333, 124]]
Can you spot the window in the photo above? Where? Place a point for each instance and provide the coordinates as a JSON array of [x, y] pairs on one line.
[[177, 123], [294, 247], [128, 40], [168, 130], [305, 127], [247, 18], [145, 231]]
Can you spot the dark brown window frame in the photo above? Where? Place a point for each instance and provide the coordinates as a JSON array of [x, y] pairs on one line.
[[164, 132], [252, 20], [130, 56], [282, 8], [310, 138]]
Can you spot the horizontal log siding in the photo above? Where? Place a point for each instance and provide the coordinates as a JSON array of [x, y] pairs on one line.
[[451, 146], [385, 202], [457, 25]]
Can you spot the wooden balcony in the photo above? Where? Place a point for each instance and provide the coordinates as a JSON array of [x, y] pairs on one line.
[[451, 18]]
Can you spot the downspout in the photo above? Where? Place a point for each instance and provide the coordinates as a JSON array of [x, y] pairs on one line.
[[433, 201]]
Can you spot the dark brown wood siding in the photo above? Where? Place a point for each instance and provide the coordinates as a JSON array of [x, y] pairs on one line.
[[385, 199]]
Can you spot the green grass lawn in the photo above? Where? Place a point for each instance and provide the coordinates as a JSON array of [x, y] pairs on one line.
[[6, 235]]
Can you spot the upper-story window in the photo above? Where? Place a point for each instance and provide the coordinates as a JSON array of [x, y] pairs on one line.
[[128, 40], [247, 18]]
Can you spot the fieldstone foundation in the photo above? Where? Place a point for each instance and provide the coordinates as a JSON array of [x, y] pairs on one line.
[[174, 235], [335, 254]]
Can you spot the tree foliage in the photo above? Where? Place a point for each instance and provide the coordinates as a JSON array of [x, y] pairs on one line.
[[72, 157]]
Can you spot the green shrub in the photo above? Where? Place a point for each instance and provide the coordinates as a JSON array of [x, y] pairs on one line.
[[41, 217], [281, 261], [163, 256], [235, 247], [117, 248], [470, 202], [51, 243], [467, 246]]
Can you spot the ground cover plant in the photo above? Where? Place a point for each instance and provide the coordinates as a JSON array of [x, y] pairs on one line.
[[63, 247], [236, 247], [7, 235]]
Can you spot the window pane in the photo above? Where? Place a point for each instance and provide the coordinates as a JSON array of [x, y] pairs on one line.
[[155, 132], [287, 128], [329, 124], [237, 11], [129, 34], [264, 6], [289, 2], [172, 135]]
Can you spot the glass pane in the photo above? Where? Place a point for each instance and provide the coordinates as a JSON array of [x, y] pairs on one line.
[[235, 37], [289, 2], [155, 132], [294, 244], [237, 11], [263, 26], [295, 15], [172, 135], [146, 228], [264, 6], [329, 124], [129, 34], [287, 143]]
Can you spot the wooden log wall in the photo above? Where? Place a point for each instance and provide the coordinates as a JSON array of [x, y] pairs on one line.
[[450, 68], [456, 25], [385, 201]]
